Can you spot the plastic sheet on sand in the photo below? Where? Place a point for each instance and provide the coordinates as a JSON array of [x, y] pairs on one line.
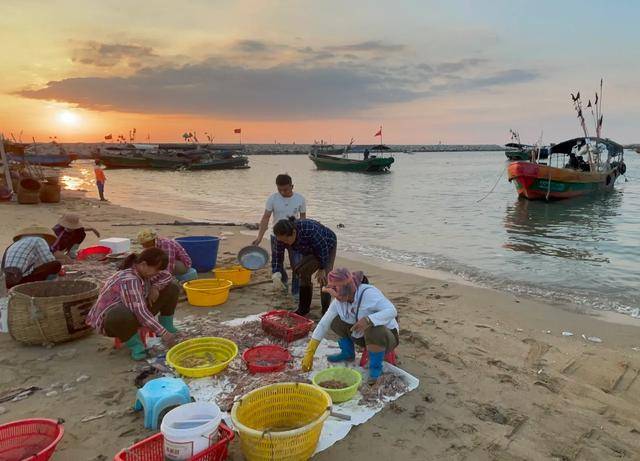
[[208, 389]]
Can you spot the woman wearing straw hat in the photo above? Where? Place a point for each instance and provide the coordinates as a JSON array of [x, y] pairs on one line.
[[29, 258], [70, 234], [179, 261]]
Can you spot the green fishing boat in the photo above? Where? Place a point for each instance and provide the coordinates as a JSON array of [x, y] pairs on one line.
[[371, 165], [368, 164]]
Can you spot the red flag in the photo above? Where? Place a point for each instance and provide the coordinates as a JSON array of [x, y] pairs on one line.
[[108, 136], [238, 130], [379, 133]]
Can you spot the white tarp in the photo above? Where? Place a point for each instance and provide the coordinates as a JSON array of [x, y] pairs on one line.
[[208, 389]]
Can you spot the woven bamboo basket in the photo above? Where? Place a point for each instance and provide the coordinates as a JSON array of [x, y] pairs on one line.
[[50, 312], [29, 191]]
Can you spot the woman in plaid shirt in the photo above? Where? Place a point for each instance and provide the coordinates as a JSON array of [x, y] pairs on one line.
[[131, 299], [317, 244]]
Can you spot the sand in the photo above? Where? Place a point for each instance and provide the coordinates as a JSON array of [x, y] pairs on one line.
[[498, 378]]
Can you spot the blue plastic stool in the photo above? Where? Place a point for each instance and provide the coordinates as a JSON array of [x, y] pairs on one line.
[[191, 274], [159, 394]]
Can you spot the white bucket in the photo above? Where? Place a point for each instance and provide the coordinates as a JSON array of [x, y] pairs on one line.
[[190, 429]]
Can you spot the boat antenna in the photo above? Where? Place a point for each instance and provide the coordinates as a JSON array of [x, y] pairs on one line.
[[577, 105], [599, 129], [594, 115]]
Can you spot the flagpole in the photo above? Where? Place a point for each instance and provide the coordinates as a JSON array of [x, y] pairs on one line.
[[381, 143]]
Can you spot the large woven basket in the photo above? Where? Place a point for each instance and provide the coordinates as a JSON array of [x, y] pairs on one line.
[[281, 421], [50, 312]]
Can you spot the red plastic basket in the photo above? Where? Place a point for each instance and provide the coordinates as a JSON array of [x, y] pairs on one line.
[[98, 250], [266, 359], [152, 449], [29, 439], [286, 325]]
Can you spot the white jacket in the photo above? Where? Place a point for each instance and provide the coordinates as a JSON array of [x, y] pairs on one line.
[[374, 305]]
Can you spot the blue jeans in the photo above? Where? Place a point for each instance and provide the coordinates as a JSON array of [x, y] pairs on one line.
[[100, 189], [294, 260]]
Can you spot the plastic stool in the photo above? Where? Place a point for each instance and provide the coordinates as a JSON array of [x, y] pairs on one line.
[[389, 357], [158, 395], [144, 333]]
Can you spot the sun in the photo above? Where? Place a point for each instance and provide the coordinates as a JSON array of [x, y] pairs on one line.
[[68, 118]]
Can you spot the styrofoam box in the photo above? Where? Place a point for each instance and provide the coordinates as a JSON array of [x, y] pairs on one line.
[[117, 245]]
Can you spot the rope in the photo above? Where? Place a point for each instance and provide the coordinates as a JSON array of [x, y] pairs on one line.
[[496, 183]]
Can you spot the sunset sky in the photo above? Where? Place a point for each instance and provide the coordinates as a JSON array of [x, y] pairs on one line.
[[452, 71]]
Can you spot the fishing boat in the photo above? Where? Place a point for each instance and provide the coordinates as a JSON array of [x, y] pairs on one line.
[[322, 148], [126, 156], [51, 154], [214, 162], [169, 159], [370, 163], [576, 167], [538, 181]]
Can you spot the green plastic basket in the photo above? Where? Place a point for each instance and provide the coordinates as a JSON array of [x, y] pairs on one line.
[[347, 375]]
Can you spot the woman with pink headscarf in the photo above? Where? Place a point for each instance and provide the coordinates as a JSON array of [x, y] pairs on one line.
[[359, 313]]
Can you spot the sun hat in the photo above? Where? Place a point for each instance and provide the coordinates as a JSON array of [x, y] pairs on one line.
[[71, 221], [36, 231], [146, 235]]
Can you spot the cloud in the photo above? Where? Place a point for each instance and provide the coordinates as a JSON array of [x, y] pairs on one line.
[[251, 46], [369, 46], [279, 81], [497, 79], [457, 66], [111, 54]]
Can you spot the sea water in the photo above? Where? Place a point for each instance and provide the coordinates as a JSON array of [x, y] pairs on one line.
[[428, 212]]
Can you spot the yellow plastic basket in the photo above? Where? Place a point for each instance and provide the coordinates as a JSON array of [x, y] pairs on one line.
[[263, 418], [222, 350], [237, 275], [349, 376], [207, 292]]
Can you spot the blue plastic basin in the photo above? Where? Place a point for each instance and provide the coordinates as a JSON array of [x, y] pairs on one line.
[[202, 249]]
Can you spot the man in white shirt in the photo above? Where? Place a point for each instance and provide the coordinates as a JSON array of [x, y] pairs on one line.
[[282, 205]]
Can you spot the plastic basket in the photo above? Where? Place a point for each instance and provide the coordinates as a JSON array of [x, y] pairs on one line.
[[207, 292], [29, 439], [223, 350], [152, 449], [349, 376], [266, 359], [258, 415], [99, 252], [237, 275], [286, 325]]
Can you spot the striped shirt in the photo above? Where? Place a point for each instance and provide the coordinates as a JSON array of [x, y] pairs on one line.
[[27, 254], [174, 251], [312, 238], [128, 288]]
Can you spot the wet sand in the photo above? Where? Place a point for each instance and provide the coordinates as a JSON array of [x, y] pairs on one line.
[[498, 379]]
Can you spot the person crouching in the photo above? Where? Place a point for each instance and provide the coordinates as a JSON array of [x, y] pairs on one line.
[[179, 261], [131, 299], [360, 314]]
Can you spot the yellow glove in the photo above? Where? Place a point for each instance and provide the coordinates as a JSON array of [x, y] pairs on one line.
[[307, 361]]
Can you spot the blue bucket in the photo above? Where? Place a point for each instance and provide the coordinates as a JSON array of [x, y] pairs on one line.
[[202, 249]]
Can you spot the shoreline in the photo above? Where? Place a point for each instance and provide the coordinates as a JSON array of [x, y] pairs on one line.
[[608, 315], [498, 378]]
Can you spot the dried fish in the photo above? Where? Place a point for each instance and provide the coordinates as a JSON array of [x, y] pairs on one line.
[[333, 384], [388, 385]]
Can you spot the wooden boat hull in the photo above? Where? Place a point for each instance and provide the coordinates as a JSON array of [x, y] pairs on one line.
[[221, 164], [42, 160], [371, 165], [517, 155], [541, 182], [124, 162]]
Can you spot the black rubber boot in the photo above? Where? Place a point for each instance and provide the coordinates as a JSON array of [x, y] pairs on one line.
[[325, 300], [304, 304]]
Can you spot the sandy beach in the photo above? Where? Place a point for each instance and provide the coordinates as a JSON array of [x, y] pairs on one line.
[[498, 379]]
